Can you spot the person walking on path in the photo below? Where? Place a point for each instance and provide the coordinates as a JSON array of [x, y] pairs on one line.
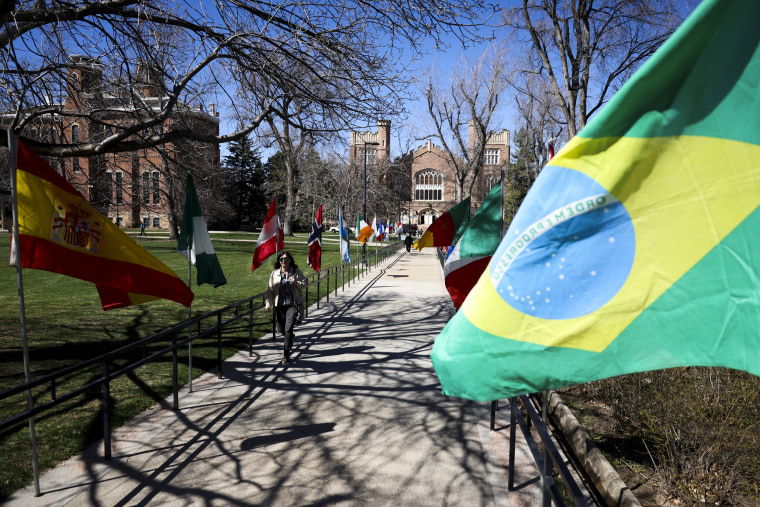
[[408, 243], [142, 228], [284, 292]]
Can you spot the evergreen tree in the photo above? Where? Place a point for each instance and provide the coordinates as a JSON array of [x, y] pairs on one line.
[[245, 187], [521, 173]]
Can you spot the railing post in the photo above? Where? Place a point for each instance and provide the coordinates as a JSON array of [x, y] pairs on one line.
[[175, 380], [512, 441], [106, 410], [219, 343], [250, 327]]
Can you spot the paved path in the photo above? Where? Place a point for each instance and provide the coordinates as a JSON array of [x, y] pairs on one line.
[[357, 418]]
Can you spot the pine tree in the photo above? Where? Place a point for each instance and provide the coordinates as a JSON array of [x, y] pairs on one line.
[[521, 174], [246, 184]]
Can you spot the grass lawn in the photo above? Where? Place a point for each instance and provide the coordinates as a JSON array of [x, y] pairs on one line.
[[66, 325]]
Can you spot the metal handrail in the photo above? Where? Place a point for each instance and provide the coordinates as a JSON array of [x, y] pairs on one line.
[[548, 452], [541, 458], [243, 308]]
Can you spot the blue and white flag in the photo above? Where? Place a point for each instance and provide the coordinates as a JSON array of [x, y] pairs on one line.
[[345, 254]]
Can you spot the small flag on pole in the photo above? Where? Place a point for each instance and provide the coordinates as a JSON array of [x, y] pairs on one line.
[[60, 231], [194, 241], [471, 254], [270, 238], [364, 231], [314, 259], [447, 228], [345, 254]]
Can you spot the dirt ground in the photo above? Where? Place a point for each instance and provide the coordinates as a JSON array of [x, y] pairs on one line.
[[627, 455]]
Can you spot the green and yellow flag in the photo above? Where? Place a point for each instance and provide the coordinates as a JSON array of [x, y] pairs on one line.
[[638, 248]]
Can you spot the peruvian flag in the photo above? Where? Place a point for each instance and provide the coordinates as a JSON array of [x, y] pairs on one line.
[[315, 242], [270, 238]]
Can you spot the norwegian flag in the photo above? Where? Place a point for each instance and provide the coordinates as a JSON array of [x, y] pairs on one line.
[[315, 241]]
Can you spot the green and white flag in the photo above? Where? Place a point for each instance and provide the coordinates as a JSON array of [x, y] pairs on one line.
[[194, 241]]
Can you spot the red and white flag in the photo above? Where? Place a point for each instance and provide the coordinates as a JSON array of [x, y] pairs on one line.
[[314, 258], [270, 238]]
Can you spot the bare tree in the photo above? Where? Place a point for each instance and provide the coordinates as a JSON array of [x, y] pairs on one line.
[[470, 101], [352, 48], [586, 49], [535, 117]]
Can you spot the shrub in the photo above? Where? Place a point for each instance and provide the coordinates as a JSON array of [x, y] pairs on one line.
[[701, 426]]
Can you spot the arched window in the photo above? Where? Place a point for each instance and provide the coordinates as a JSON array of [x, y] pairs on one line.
[[428, 217], [428, 185], [75, 133]]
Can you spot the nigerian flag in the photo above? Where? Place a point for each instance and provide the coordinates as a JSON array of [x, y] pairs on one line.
[[194, 241], [638, 247]]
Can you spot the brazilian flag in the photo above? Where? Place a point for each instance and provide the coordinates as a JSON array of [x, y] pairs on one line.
[[638, 247]]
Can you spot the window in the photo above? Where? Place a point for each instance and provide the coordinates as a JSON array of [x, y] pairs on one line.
[[428, 185], [428, 217], [156, 195], [370, 154], [146, 189], [157, 223], [75, 133], [76, 165], [119, 188], [491, 157], [146, 221], [119, 222], [108, 190]]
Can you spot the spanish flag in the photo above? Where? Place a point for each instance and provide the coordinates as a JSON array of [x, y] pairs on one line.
[[60, 231], [638, 247]]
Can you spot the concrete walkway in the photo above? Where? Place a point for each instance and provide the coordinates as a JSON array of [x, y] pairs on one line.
[[357, 418]]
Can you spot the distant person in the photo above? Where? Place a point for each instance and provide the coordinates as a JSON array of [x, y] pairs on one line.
[[284, 292], [408, 242], [142, 229]]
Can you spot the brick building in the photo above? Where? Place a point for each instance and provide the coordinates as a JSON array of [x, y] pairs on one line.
[[132, 187], [431, 173]]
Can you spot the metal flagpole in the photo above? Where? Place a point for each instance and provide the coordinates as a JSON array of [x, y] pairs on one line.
[[276, 256], [12, 150], [190, 313]]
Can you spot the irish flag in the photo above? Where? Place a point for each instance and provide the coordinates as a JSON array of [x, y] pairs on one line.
[[447, 228], [638, 247], [194, 241], [60, 231], [364, 231]]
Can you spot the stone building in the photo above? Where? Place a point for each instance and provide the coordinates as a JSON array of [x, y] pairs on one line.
[[431, 173], [132, 187]]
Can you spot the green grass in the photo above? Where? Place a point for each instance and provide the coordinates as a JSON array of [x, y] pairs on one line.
[[66, 325]]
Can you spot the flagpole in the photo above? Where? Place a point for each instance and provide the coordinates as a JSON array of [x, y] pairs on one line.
[[12, 150], [276, 256], [190, 312], [503, 222]]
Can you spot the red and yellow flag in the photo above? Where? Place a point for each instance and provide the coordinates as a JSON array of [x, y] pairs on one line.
[[60, 231]]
